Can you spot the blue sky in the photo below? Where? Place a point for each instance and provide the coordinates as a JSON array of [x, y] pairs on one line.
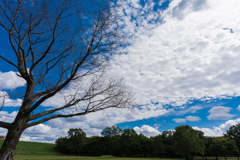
[[182, 61]]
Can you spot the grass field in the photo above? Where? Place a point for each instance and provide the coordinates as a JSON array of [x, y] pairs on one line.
[[34, 148], [56, 157], [44, 151], [52, 157]]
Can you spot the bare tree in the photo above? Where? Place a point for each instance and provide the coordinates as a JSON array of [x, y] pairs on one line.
[[61, 48]]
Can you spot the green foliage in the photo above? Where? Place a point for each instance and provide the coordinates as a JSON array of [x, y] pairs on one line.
[[145, 144], [234, 133], [224, 146], [129, 142], [157, 145], [168, 141], [73, 143], [61, 145], [188, 141], [183, 142], [111, 131]]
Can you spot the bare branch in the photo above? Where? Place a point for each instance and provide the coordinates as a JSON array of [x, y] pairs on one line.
[[8, 61], [5, 125]]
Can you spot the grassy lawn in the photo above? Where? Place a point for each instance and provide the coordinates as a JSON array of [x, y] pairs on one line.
[[49, 157], [55, 157], [30, 148], [44, 151]]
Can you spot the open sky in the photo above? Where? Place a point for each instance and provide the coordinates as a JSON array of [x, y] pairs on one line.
[[182, 61]]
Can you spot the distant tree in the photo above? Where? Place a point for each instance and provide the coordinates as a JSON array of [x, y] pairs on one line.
[[168, 141], [93, 146], [232, 148], [111, 131], [187, 142], [208, 142], [157, 147], [73, 143], [144, 145], [234, 133], [129, 142], [76, 140], [111, 139], [62, 145], [223, 146]]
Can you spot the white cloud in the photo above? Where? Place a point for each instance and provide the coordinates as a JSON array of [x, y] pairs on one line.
[[193, 109], [187, 6], [38, 129], [193, 118], [7, 117], [147, 130], [156, 126], [238, 108], [6, 101], [10, 80], [188, 56], [188, 118], [220, 112], [179, 120], [218, 131]]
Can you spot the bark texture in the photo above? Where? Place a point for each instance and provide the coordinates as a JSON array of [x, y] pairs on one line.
[[7, 151]]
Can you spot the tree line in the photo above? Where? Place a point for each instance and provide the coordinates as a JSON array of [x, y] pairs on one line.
[[184, 142]]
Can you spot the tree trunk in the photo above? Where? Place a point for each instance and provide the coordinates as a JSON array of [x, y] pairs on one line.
[[216, 157], [238, 157], [205, 157], [202, 157], [225, 157], [9, 146]]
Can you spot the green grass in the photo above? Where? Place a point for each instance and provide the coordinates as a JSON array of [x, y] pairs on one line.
[[49, 157], [34, 148], [106, 156], [57, 157], [52, 157]]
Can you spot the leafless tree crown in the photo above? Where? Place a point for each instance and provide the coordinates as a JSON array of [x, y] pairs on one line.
[[62, 48]]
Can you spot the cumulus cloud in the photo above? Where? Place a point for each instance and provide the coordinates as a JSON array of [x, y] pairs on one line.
[[147, 130], [174, 61], [10, 80], [188, 118], [186, 6], [183, 111], [38, 129], [238, 108], [6, 101], [179, 120], [7, 117], [218, 131], [220, 112], [193, 118]]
